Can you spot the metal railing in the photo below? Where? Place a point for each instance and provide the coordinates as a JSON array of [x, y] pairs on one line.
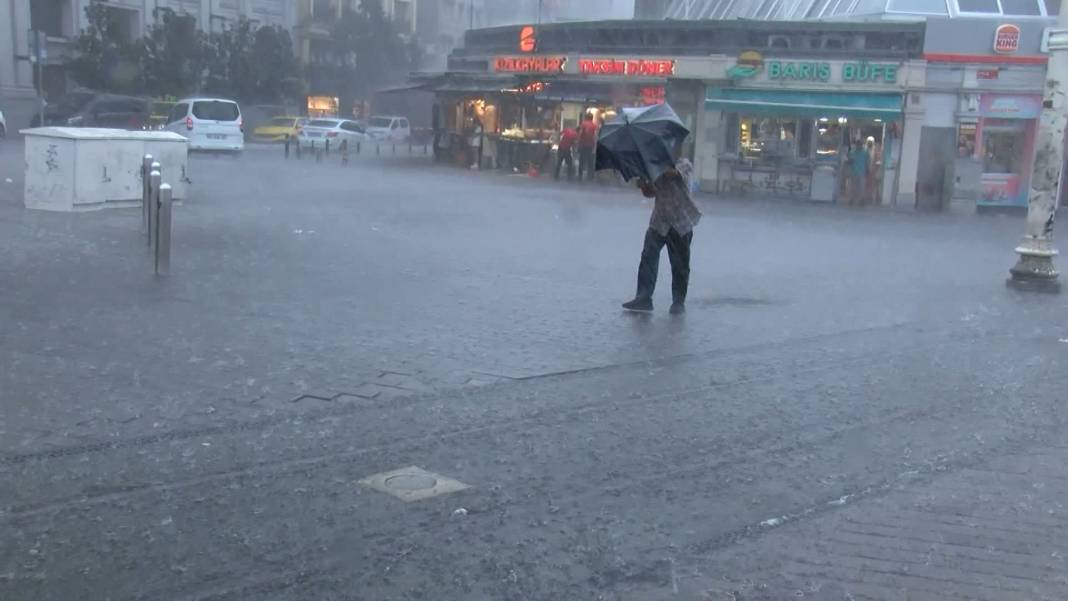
[[345, 150], [156, 199]]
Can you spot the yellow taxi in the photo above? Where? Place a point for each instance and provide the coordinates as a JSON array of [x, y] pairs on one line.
[[278, 129]]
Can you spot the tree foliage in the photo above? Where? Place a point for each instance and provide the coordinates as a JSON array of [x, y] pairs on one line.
[[103, 59], [176, 58], [365, 52], [173, 55]]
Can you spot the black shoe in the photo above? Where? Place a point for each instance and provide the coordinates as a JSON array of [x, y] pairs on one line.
[[644, 305], [677, 308]]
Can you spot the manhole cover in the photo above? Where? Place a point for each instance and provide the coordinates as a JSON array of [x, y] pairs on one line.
[[411, 482]]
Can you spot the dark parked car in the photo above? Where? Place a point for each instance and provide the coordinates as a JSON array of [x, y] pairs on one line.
[[89, 109]]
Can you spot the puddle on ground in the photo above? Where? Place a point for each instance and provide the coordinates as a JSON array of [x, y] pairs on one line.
[[735, 301]]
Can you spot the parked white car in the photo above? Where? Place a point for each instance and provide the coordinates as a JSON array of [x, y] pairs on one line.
[[209, 124], [3, 125], [389, 129], [319, 131]]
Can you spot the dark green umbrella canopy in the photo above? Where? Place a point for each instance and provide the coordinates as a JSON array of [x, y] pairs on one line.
[[641, 142]]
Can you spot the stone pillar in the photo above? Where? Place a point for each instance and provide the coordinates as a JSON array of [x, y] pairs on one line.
[[709, 140], [908, 165], [1035, 269]]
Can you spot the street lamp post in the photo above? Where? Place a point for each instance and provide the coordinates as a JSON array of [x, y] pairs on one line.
[[1035, 270]]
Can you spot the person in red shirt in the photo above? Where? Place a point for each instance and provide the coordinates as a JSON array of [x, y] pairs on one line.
[[563, 152], [587, 145]]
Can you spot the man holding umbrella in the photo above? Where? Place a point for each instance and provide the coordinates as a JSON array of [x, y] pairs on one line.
[[644, 144]]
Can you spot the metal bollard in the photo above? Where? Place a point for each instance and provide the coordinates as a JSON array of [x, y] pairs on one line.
[[394, 148], [146, 168], [287, 146], [298, 150], [328, 147], [378, 150], [424, 150], [358, 144], [409, 147], [155, 178], [163, 231]]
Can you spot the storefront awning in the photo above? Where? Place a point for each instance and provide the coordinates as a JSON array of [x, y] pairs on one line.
[[805, 104]]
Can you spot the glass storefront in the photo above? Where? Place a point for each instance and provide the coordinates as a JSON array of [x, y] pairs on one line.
[[807, 145], [1002, 141], [516, 126]]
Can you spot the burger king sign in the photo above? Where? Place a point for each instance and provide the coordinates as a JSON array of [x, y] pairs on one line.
[[1007, 39]]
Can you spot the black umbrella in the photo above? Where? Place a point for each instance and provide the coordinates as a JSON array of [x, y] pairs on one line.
[[641, 142]]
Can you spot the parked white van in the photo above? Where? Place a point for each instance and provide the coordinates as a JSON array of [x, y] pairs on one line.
[[209, 124], [388, 128]]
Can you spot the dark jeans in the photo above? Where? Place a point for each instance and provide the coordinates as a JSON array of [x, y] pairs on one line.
[[585, 163], [563, 156], [679, 255]]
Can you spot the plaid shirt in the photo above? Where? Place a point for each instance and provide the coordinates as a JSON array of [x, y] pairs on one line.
[[674, 208]]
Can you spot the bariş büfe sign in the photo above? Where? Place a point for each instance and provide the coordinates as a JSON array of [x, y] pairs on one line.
[[529, 64], [630, 68]]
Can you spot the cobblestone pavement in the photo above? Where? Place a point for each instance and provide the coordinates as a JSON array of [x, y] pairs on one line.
[[855, 407]]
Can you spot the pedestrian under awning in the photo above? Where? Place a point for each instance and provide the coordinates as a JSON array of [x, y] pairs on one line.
[[806, 103]]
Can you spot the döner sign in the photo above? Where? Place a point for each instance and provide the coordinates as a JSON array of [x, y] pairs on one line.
[[629, 68]]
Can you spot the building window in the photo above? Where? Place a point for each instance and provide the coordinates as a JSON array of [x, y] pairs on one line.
[[52, 17]]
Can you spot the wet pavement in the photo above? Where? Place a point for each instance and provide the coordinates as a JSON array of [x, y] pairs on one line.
[[854, 407]]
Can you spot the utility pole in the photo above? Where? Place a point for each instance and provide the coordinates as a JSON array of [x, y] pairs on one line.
[[38, 54], [1035, 269]]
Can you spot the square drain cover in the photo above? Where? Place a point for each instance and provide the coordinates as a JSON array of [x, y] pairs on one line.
[[413, 484]]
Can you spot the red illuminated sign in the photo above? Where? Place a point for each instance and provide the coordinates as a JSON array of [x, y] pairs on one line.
[[653, 95], [1007, 39], [528, 39], [627, 68], [529, 64]]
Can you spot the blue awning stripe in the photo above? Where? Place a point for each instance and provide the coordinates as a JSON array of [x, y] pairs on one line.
[[814, 104]]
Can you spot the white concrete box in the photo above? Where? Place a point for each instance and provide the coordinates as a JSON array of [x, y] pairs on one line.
[[78, 169]]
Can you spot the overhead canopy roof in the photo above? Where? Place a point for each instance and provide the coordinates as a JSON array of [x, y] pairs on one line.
[[779, 10]]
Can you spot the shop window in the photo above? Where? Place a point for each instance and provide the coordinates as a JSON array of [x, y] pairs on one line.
[[1003, 147], [966, 140], [829, 137], [1053, 7], [767, 139]]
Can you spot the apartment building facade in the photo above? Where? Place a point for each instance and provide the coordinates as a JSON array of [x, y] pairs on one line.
[[62, 20]]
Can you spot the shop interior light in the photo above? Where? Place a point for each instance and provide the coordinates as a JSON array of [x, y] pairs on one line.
[[824, 119], [842, 121], [878, 120]]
